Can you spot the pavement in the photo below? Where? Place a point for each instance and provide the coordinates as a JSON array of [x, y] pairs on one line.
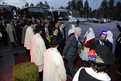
[[7, 60]]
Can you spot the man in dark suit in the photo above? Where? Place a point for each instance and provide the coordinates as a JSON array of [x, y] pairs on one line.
[[101, 40], [3, 31], [45, 34], [62, 34], [55, 36], [118, 49], [70, 51]]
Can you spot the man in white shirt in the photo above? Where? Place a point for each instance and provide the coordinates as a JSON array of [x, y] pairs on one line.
[[37, 50], [54, 69], [28, 37]]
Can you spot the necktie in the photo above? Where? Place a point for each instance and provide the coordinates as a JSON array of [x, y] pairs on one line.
[[46, 31]]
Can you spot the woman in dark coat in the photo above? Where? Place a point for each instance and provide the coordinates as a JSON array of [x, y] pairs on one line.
[[118, 49]]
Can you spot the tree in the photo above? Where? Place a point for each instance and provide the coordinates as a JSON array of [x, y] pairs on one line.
[[31, 4], [3, 2], [61, 7], [111, 9], [80, 7], [86, 8], [73, 4], [118, 11], [46, 4], [27, 4], [103, 8], [69, 5], [40, 4]]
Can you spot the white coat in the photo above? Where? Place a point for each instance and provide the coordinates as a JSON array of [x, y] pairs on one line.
[[54, 69], [37, 51], [11, 32], [28, 38]]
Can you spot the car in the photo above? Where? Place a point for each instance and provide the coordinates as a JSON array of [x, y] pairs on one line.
[[73, 19]]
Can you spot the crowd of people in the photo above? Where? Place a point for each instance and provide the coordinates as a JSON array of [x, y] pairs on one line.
[[48, 47]]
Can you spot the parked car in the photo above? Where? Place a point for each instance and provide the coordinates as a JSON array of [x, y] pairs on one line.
[[73, 19], [82, 19]]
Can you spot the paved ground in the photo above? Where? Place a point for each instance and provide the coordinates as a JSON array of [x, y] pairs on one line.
[[7, 52]]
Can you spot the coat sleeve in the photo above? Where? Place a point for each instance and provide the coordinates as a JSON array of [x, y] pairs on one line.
[[67, 46], [31, 34], [42, 46], [119, 28], [61, 68], [41, 49]]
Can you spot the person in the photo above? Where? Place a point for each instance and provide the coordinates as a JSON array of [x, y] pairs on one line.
[[70, 51], [62, 34], [46, 32], [28, 37], [118, 50], [100, 41], [109, 39], [37, 50], [4, 32], [55, 35], [89, 38], [19, 29], [57, 25], [77, 22], [71, 31], [101, 58], [24, 32], [54, 69], [11, 33]]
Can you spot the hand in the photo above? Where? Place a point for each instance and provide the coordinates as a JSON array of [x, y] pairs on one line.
[[116, 22], [63, 57], [37, 65]]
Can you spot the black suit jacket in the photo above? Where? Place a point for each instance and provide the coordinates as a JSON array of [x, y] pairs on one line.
[[119, 28], [60, 34], [44, 37], [71, 48], [96, 43]]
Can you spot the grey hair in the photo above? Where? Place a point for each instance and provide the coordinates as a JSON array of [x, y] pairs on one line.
[[76, 29]]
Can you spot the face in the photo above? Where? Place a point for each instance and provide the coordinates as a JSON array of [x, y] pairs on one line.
[[62, 26], [32, 25], [102, 37], [3, 21], [71, 27], [11, 23], [46, 25], [88, 30], [56, 31], [78, 33]]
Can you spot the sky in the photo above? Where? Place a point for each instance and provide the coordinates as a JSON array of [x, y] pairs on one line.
[[94, 4]]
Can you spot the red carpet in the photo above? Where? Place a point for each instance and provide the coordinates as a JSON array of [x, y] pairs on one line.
[[22, 58]]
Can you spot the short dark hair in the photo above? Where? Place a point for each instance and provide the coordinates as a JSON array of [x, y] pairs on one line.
[[54, 45], [46, 23], [30, 23], [53, 29], [61, 23], [100, 68]]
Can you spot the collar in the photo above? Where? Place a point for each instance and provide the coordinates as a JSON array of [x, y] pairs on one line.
[[99, 76], [101, 43], [77, 38], [55, 34]]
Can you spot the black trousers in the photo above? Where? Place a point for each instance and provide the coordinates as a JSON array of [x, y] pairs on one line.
[[41, 76], [28, 54]]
